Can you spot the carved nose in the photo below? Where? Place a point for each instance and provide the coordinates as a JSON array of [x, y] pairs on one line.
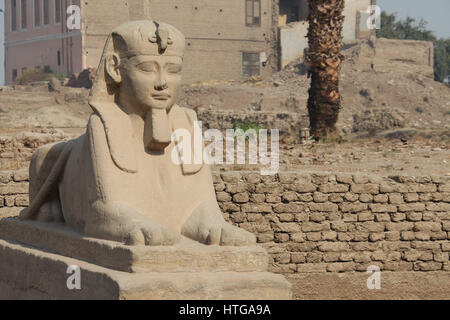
[[161, 84]]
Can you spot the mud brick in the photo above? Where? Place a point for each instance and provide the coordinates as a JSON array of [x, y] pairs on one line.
[[231, 177], [411, 255], [302, 217], [302, 247], [444, 187], [320, 197], [399, 226], [414, 216], [21, 175], [314, 257], [323, 207], [425, 245], [272, 198], [398, 216], [422, 236], [353, 207], [286, 217], [331, 256], [253, 178], [344, 178], [352, 197], [381, 198], [360, 236], [408, 235], [333, 246], [315, 227], [411, 197], [286, 227], [411, 207], [438, 206], [298, 257], [223, 196], [257, 208], [392, 235], [336, 198], [373, 237], [445, 246], [333, 187], [427, 226], [396, 246], [350, 217], [397, 266], [329, 235], [441, 235], [365, 198], [281, 237], [14, 188], [441, 256], [258, 198], [368, 188], [339, 226], [382, 217], [370, 226], [365, 216], [344, 236], [303, 187], [6, 176], [425, 197], [378, 207], [288, 208], [289, 196], [318, 216], [396, 198], [428, 266], [265, 237], [305, 197], [360, 178], [297, 237]]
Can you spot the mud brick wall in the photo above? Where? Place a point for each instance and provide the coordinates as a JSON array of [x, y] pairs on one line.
[[13, 191], [342, 222], [320, 222]]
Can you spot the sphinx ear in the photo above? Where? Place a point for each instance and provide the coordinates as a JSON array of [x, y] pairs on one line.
[[112, 64]]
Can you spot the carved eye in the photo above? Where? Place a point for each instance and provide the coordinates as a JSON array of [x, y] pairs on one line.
[[147, 66], [174, 68]]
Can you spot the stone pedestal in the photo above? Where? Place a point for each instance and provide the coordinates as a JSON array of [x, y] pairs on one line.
[[35, 257]]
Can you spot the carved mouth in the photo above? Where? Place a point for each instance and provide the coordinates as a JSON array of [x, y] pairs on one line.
[[162, 97]]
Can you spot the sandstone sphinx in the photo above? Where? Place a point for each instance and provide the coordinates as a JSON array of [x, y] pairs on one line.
[[117, 181], [113, 203]]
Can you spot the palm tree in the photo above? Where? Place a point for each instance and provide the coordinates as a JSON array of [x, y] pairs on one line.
[[324, 59]]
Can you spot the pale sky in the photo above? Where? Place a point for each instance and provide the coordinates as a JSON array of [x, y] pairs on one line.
[[436, 12]]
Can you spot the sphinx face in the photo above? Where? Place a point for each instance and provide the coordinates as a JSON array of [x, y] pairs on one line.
[[150, 82]]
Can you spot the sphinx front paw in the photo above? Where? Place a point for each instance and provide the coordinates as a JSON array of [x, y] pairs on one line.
[[151, 234], [206, 225]]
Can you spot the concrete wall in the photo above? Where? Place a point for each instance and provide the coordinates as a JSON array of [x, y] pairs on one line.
[[351, 23], [293, 41], [38, 46], [216, 34]]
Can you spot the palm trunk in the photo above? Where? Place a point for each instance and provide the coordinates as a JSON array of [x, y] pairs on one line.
[[324, 59]]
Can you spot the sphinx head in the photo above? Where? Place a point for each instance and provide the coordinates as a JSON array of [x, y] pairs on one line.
[[143, 67]]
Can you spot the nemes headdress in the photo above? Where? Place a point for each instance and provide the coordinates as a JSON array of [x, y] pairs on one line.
[[148, 38]]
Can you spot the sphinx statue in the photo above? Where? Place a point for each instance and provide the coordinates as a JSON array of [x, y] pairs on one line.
[[117, 181]]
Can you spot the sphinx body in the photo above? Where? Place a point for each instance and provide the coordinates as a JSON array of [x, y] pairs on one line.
[[118, 181]]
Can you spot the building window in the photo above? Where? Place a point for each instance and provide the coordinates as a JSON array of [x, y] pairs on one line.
[[37, 13], [46, 12], [253, 13], [23, 13], [14, 75], [57, 11], [250, 64], [13, 15], [59, 57]]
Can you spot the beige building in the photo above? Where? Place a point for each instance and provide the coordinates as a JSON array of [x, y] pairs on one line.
[[229, 39]]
